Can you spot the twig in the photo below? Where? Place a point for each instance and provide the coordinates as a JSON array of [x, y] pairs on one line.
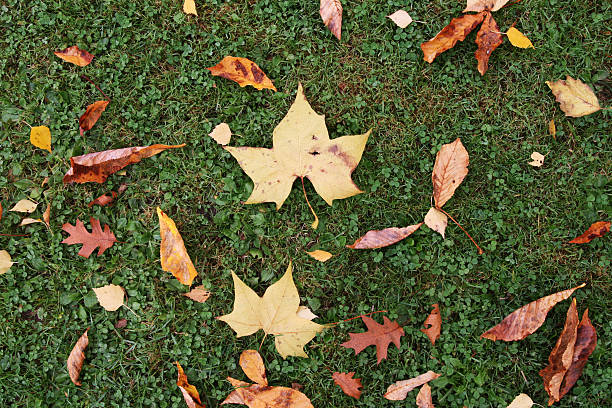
[[97, 87], [480, 251], [357, 317], [15, 235]]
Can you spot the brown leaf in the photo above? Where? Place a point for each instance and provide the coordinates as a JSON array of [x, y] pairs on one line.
[[575, 98], [349, 385], [121, 323], [75, 55], [379, 335], [47, 215], [296, 386], [433, 324], [263, 396], [400, 389], [488, 39], [96, 167], [77, 357], [449, 170], [527, 319], [90, 240], [446, 39], [190, 393], [106, 199], [91, 115], [481, 5], [243, 71], [198, 294], [423, 399], [174, 256], [331, 13], [382, 238], [586, 340], [561, 356], [253, 366], [596, 230]]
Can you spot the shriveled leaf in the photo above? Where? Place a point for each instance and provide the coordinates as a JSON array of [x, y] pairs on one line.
[[91, 115], [90, 240], [379, 335], [488, 39], [433, 324], [77, 357], [400, 389], [47, 215], [351, 386], [190, 393], [331, 13], [320, 255], [24, 206], [518, 39], [189, 7], [423, 399], [75, 56], [574, 96], [263, 396], [110, 297], [221, 134], [561, 356], [198, 294], [537, 159], [106, 199], [275, 313], [253, 366], [96, 167], [552, 129], [481, 5], [436, 220], [242, 71], [28, 221], [40, 136], [596, 230], [401, 18], [446, 39], [382, 238], [449, 170], [5, 262], [174, 256], [521, 401], [121, 323], [527, 319]]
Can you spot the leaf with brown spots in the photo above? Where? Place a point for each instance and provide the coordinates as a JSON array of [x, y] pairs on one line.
[[488, 39], [456, 30], [527, 319], [382, 238], [399, 390], [190, 393], [423, 399], [379, 335], [351, 386], [96, 167], [91, 115], [77, 357], [90, 240], [174, 256], [433, 324], [331, 13], [75, 56], [243, 71], [253, 366], [596, 230]]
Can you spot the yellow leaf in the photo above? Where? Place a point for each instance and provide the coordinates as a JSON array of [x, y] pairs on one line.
[[436, 220], [518, 39], [401, 18], [40, 136], [521, 401], [275, 313], [189, 7], [28, 221], [174, 256], [110, 297], [552, 129], [320, 255], [574, 96], [221, 133], [5, 262], [24, 206], [242, 71], [538, 159]]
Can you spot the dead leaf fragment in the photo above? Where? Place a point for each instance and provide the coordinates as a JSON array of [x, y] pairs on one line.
[[121, 323], [77, 357], [190, 393], [481, 5], [40, 136], [253, 366], [5, 262], [331, 13], [446, 39], [400, 389], [574, 96], [436, 220], [28, 221], [433, 324], [488, 39], [596, 230], [174, 256], [518, 39], [24, 206], [91, 115], [242, 71], [401, 18], [198, 294], [379, 335], [537, 159], [521, 401], [349, 385], [423, 399], [527, 319], [75, 56], [221, 134], [90, 240], [382, 238], [189, 7], [106, 199], [449, 170], [110, 297], [47, 215], [320, 255], [552, 129], [96, 167]]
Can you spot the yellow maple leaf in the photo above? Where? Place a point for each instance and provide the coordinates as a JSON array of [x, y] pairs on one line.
[[276, 312], [40, 136], [518, 39]]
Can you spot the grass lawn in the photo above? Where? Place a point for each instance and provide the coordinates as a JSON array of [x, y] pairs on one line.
[[150, 59]]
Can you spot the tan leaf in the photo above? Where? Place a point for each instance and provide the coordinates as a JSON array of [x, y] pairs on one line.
[[242, 71], [518, 39], [401, 18], [552, 129], [596, 230], [433, 324], [320, 255], [423, 399], [5, 262], [198, 294], [305, 313], [189, 7], [331, 13], [263, 396], [110, 297], [75, 56], [351, 386], [446, 39], [28, 221], [253, 366], [537, 159], [449, 170], [382, 238], [190, 393], [488, 39], [91, 115], [521, 401], [400, 389], [24, 206], [221, 134], [481, 5], [77, 357], [47, 215], [174, 256], [574, 96], [527, 319], [40, 136], [436, 220]]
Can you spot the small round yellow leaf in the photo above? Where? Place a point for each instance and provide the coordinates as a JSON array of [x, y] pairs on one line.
[[110, 297], [518, 39], [40, 136]]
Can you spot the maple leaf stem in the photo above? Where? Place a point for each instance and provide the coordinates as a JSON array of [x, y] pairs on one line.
[[315, 223], [97, 87], [358, 317], [513, 3], [262, 340], [480, 251]]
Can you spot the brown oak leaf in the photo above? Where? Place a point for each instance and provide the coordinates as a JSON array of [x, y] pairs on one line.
[[488, 39], [349, 385], [433, 324], [379, 335], [596, 230], [90, 240], [77, 357]]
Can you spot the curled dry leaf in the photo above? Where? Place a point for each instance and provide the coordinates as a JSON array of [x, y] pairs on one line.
[[242, 71], [518, 39], [5, 262], [198, 294], [96, 167], [121, 323], [379, 335], [433, 324], [400, 389], [189, 7], [331, 13], [537, 159], [320, 255], [47, 215], [91, 115], [24, 206], [446, 39], [574, 96], [28, 221], [253, 366], [482, 5], [449, 170], [106, 199], [75, 56], [174, 256], [77, 357], [488, 39], [596, 230], [521, 401], [436, 220], [527, 319], [90, 240], [40, 136], [401, 18], [110, 297], [423, 399], [351, 386], [221, 134], [382, 238], [190, 393]]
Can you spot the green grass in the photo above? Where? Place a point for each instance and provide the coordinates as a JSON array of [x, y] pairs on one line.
[[151, 60]]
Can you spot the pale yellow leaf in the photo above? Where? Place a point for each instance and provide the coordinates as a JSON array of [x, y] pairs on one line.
[[110, 297], [537, 159], [518, 39], [521, 401], [574, 96], [189, 7], [305, 313], [481, 5], [40, 136], [24, 206], [401, 18], [5, 262], [28, 221], [436, 220], [221, 133], [320, 255]]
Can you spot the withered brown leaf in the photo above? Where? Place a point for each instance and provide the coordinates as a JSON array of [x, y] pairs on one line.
[[596, 230], [455, 31], [449, 170], [423, 399], [91, 115], [77, 357], [433, 324], [382, 238], [106, 199], [488, 39], [351, 386], [75, 55]]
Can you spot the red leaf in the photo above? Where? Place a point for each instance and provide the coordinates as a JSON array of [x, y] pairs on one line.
[[106, 199], [349, 385], [488, 39], [97, 238], [379, 335], [91, 115], [75, 55], [596, 230], [434, 321]]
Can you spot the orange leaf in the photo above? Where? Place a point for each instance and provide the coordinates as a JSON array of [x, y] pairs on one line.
[[190, 393], [349, 385], [90, 240], [320, 255], [331, 13], [527, 319], [253, 366], [96, 167], [596, 230], [47, 215], [446, 39], [434, 321], [106, 199], [75, 55], [449, 170], [423, 399], [561, 356], [198, 294], [488, 39], [77, 357], [91, 115], [379, 335], [400, 389], [382, 238], [243, 71], [174, 256]]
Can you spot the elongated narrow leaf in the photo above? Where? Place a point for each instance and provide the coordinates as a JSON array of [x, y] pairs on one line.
[[75, 56], [596, 230], [400, 389], [382, 238], [488, 39], [331, 13], [190, 393], [77, 357], [242, 71], [173, 254], [449, 170], [91, 115], [446, 39]]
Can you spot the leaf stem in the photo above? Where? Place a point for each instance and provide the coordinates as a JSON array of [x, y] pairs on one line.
[[480, 251], [357, 317], [97, 87], [15, 235], [315, 223]]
